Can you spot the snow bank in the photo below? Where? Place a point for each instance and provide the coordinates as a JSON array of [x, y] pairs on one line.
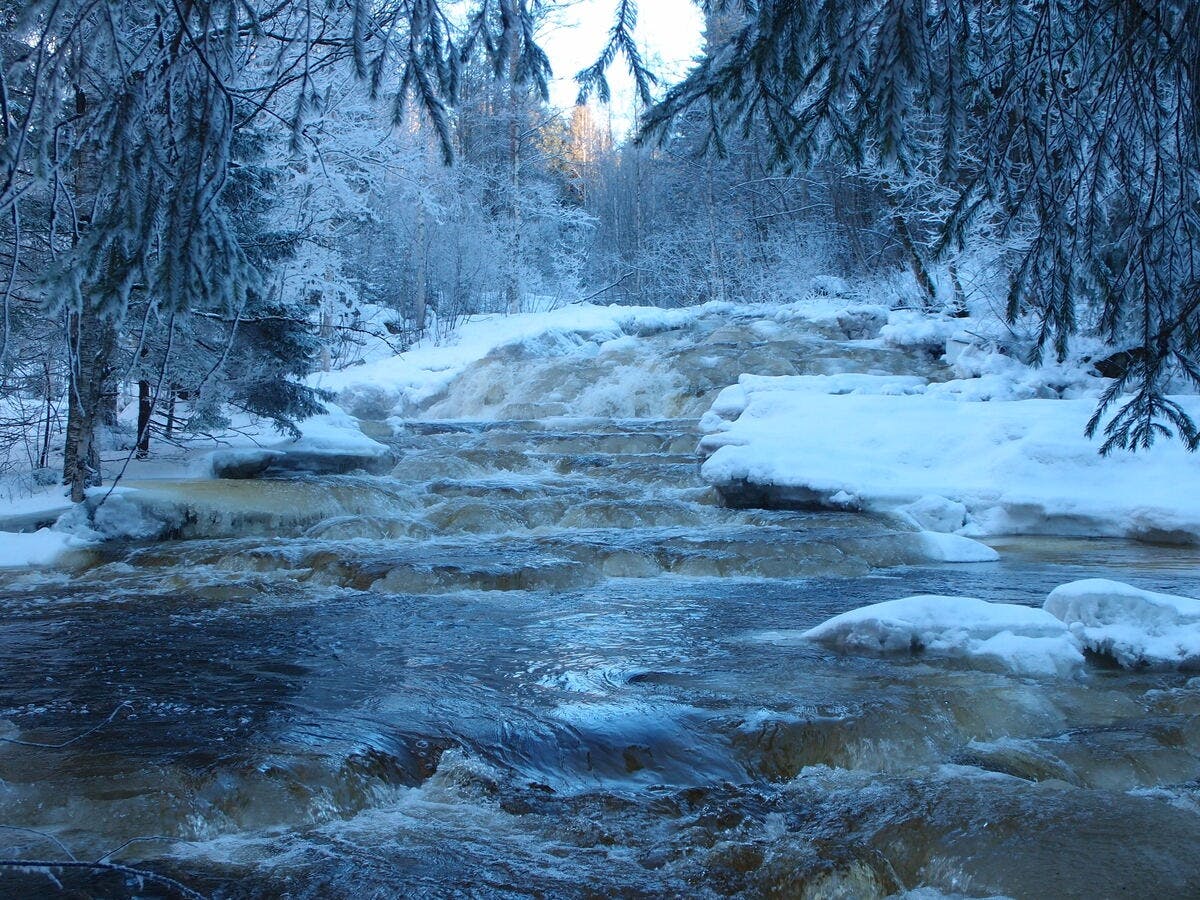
[[405, 382], [912, 329], [1136, 628], [892, 443], [39, 548], [996, 636]]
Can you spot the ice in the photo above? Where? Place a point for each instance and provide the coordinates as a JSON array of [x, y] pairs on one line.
[[1137, 628], [1002, 637], [39, 548], [935, 513], [329, 444], [954, 548]]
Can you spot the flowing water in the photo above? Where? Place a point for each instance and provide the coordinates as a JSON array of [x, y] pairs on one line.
[[539, 659]]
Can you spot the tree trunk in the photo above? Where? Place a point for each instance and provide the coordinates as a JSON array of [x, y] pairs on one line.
[[420, 297], [48, 386], [716, 267], [145, 411], [326, 333], [513, 287], [915, 261], [169, 431], [93, 344]]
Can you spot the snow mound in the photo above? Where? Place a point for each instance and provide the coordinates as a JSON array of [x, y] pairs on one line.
[[916, 329], [39, 548], [934, 513], [332, 444], [954, 548], [1136, 628], [996, 636]]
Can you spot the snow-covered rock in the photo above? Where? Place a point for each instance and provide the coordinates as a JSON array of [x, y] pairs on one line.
[[862, 322], [1136, 628], [329, 444], [244, 462], [996, 636], [914, 329], [935, 513], [954, 548]]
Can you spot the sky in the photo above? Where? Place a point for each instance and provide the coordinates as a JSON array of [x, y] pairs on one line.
[[668, 32]]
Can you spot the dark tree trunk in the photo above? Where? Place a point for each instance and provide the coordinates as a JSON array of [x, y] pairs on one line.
[[145, 411], [169, 431], [93, 346]]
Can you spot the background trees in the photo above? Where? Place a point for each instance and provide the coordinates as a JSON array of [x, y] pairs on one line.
[[157, 177], [1070, 129]]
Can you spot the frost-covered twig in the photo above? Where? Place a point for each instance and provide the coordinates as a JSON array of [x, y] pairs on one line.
[[78, 737], [143, 874]]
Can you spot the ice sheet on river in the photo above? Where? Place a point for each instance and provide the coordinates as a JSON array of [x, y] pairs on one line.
[[1136, 628], [997, 636], [1006, 466]]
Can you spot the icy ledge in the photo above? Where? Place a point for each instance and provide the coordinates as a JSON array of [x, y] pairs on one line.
[[996, 636], [329, 444], [943, 459], [39, 548], [1137, 629]]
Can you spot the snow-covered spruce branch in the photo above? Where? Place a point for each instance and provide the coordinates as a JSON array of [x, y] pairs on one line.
[[1071, 126]]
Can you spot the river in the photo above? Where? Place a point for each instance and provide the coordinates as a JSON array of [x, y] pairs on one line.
[[540, 659]]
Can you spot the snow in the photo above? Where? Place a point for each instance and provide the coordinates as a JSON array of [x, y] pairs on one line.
[[403, 383], [935, 513], [1137, 628], [39, 548], [926, 451], [333, 432], [1134, 627], [1004, 637], [42, 505]]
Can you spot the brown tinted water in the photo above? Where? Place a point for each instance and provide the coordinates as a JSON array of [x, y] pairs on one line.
[[539, 660]]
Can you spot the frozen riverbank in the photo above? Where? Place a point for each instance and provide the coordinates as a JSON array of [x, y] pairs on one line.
[[941, 456]]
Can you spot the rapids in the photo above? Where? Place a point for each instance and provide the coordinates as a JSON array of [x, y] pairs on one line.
[[539, 659]]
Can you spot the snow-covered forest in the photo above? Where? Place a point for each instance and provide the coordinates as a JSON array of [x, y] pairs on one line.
[[202, 204], [775, 478]]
